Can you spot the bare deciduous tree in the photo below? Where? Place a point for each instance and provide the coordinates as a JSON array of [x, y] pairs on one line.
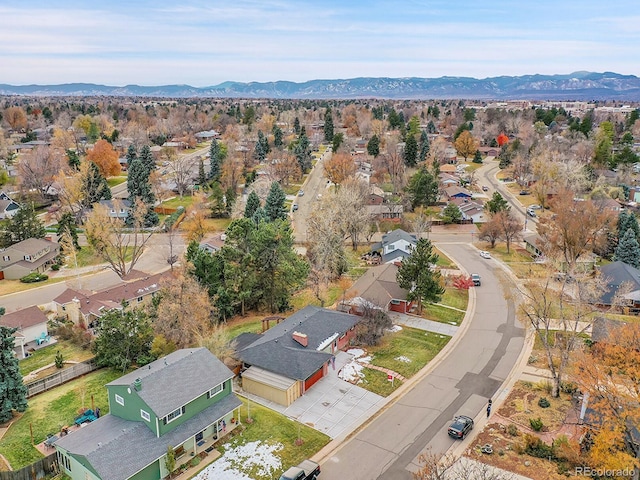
[[118, 245]]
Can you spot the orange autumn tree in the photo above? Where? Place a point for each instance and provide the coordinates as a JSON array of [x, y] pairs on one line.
[[339, 168], [105, 157], [608, 374], [502, 139]]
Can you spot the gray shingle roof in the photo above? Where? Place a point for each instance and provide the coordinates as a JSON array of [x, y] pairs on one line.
[[615, 274], [197, 368], [396, 235], [118, 448], [379, 286], [278, 352]]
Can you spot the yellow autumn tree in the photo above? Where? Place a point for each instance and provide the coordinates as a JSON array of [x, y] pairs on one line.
[[466, 145]]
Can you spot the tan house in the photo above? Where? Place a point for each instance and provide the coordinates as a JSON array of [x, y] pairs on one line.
[[28, 256], [31, 323], [81, 306]]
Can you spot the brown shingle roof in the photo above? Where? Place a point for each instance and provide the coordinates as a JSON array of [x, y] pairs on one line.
[[27, 317]]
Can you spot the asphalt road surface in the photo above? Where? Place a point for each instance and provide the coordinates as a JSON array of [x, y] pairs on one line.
[[472, 372]]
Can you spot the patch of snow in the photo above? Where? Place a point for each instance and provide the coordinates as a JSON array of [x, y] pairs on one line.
[[395, 328], [257, 457], [404, 359], [356, 352], [351, 372]]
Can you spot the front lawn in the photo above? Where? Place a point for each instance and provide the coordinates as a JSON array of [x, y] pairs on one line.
[[113, 181], [456, 298], [442, 314], [271, 427], [406, 352], [46, 356], [51, 410], [175, 202]]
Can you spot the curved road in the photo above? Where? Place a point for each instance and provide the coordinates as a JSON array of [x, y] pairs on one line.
[[478, 362]]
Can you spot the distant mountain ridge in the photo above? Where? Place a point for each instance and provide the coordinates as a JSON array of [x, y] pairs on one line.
[[574, 86]]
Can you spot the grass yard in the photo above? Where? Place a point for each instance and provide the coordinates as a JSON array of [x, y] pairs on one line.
[[270, 426], [442, 314], [250, 323], [406, 351], [113, 181], [305, 297], [51, 410], [217, 224], [443, 260], [175, 202], [13, 286], [455, 298], [46, 356]]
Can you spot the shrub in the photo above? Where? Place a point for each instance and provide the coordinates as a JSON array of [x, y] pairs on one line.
[[59, 360], [536, 424], [195, 461], [544, 403], [544, 386], [569, 387], [55, 267], [34, 277], [535, 447], [173, 218], [512, 430]]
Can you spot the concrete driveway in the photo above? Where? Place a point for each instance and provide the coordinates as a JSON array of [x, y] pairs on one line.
[[332, 406]]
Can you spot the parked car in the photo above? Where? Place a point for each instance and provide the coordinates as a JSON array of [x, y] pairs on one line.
[[301, 193], [485, 188], [531, 212], [476, 279], [536, 207], [306, 470], [485, 254], [460, 426], [295, 207], [524, 192]]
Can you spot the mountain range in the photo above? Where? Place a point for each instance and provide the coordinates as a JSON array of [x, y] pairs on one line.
[[574, 86]]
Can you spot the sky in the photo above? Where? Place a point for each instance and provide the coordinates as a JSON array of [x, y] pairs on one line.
[[207, 42]]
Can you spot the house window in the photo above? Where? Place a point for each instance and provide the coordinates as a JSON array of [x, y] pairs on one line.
[[64, 461], [119, 400], [145, 415], [6, 258], [215, 390], [139, 299], [113, 211], [173, 415]]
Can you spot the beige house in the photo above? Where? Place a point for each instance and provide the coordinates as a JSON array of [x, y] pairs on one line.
[[23, 258], [81, 306], [31, 323]]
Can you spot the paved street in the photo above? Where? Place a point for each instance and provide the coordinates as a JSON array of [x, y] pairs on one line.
[[476, 363]]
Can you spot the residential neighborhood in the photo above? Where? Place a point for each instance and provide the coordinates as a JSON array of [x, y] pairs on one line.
[[301, 279]]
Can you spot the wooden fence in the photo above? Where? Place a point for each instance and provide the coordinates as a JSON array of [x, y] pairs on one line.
[[58, 378], [41, 468]]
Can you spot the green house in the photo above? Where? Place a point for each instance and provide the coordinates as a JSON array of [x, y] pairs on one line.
[[184, 401]]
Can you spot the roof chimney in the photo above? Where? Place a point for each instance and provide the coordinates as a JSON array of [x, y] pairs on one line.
[[301, 338], [137, 384]]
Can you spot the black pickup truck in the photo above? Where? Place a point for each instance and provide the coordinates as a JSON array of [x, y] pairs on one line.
[[306, 470]]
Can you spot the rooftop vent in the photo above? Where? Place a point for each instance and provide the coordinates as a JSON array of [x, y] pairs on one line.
[[137, 384]]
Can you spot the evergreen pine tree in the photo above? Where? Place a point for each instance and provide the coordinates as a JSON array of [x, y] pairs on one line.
[[215, 161], [253, 204], [259, 216], [24, 224], [477, 158], [628, 249], [423, 188], [373, 146], [424, 146], [451, 213], [328, 126], [73, 158], [132, 154], [410, 153], [95, 187], [146, 157], [626, 221], [416, 275], [139, 187], [296, 125], [13, 392], [277, 136], [274, 205], [262, 147], [218, 201], [202, 177], [67, 223], [302, 151]]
